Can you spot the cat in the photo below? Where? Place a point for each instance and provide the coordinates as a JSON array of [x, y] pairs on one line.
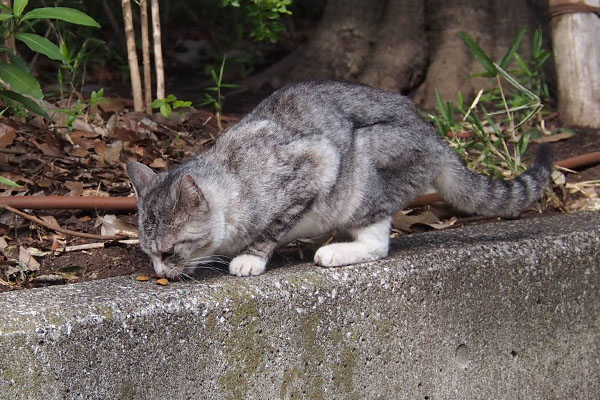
[[312, 158]]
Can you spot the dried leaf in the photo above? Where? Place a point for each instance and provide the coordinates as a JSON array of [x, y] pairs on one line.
[[554, 138], [50, 220], [94, 193], [100, 148], [405, 222], [80, 152], [47, 150], [159, 163], [111, 225], [7, 135], [115, 104], [112, 153], [75, 188], [584, 204], [26, 260]]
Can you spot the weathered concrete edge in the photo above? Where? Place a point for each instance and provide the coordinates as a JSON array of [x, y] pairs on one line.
[[293, 329]]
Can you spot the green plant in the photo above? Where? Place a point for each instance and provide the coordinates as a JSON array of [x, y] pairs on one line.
[[495, 129], [8, 182], [24, 88], [218, 98], [262, 16], [97, 97], [168, 104]]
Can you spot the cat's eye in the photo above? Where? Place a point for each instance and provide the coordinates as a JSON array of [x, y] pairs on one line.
[[167, 254]]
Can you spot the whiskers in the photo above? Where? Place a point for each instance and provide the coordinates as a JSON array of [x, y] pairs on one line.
[[203, 262]]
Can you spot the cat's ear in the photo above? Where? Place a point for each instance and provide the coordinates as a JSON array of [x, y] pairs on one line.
[[140, 177], [191, 197]]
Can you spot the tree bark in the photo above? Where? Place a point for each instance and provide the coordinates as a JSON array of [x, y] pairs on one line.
[[577, 53], [134, 69], [492, 24], [409, 46], [398, 59]]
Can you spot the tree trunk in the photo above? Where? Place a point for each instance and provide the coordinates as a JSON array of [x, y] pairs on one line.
[[411, 46], [493, 24], [577, 54]]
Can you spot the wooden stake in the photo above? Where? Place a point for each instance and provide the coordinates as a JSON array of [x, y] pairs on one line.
[[158, 57], [576, 44], [146, 56], [134, 69]]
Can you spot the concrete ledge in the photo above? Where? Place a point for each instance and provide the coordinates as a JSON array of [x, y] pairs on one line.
[[503, 311]]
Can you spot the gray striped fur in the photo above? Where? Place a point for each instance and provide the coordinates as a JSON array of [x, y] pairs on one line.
[[313, 157]]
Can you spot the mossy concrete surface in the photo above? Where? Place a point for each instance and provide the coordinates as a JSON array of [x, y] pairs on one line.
[[509, 310]]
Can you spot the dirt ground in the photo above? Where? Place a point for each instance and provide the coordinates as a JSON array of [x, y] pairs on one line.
[[90, 161]]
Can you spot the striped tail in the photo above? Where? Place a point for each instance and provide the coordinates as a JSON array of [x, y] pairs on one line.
[[478, 194]]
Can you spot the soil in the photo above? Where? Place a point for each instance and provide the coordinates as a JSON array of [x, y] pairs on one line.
[[45, 162]]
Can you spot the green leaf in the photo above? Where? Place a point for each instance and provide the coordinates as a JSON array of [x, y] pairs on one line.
[[165, 110], [478, 53], [30, 104], [157, 103], [62, 13], [19, 6], [42, 45], [8, 182], [4, 17], [512, 49], [20, 80]]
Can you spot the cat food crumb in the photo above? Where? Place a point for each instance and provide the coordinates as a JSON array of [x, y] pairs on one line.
[[142, 278], [162, 281]]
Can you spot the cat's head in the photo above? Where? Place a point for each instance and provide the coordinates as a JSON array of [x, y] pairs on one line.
[[176, 222]]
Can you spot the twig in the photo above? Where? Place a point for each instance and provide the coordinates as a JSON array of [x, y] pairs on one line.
[[89, 246], [58, 228]]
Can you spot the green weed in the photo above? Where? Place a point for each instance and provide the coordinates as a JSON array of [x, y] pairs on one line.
[[168, 104], [494, 131], [214, 94]]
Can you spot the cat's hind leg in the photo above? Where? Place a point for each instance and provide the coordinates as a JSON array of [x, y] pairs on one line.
[[370, 243]]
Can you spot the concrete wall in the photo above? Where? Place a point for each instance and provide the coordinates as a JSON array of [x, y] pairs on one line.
[[503, 311]]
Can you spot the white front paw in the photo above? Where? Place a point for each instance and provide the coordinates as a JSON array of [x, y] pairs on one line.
[[247, 265], [338, 254]]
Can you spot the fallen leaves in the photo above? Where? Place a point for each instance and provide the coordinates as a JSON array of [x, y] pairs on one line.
[[405, 221], [7, 135]]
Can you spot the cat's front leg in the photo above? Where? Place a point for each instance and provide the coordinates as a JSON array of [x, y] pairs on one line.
[[247, 265], [370, 243], [253, 260]]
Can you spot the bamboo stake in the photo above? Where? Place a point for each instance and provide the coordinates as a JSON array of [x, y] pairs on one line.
[[158, 57], [134, 69], [146, 56]]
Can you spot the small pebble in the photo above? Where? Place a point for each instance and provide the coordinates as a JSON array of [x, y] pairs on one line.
[[142, 278], [162, 281]]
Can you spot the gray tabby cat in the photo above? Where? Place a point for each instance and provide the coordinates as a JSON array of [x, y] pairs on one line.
[[313, 157]]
